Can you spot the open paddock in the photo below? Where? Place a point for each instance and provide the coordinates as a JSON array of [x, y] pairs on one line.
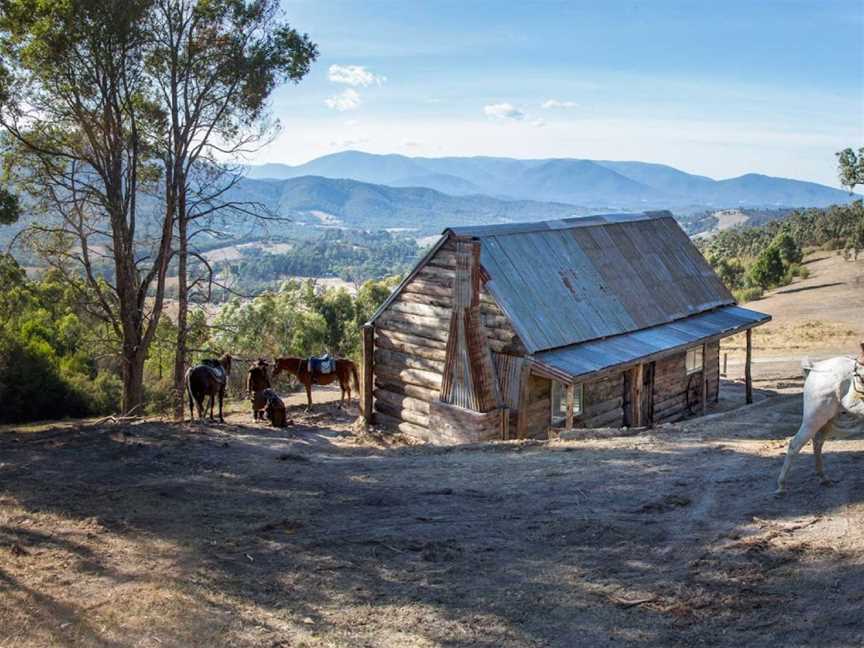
[[155, 534]]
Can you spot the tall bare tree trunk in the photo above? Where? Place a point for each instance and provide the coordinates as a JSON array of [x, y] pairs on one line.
[[182, 306]]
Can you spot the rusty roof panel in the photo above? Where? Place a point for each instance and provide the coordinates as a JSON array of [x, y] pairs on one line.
[[589, 357], [579, 279]]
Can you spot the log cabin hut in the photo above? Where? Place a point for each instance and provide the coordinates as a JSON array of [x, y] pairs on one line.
[[522, 330]]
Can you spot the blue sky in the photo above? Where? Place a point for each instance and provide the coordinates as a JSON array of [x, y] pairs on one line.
[[718, 88]]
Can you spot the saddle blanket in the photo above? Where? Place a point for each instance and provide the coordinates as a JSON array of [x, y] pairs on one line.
[[321, 365], [218, 374]]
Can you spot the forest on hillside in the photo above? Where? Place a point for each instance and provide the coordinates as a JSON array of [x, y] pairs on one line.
[[751, 260]]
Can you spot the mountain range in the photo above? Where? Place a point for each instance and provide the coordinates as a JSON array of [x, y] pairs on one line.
[[319, 201], [592, 184]]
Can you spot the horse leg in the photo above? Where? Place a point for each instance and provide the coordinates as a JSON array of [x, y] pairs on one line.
[[818, 442], [221, 398], [212, 402], [809, 427], [308, 384]]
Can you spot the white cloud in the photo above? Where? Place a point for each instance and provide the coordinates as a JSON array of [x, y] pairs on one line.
[[348, 99], [503, 111], [556, 103], [351, 122], [354, 75], [349, 142], [412, 144], [539, 122]]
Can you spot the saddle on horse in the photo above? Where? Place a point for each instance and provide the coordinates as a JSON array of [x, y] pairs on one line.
[[319, 365], [216, 370]]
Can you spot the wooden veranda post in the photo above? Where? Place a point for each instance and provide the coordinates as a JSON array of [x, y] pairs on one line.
[[571, 391], [368, 350], [704, 378], [748, 379]]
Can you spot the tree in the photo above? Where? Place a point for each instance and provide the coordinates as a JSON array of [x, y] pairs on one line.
[[9, 208], [74, 106], [768, 270], [214, 64], [788, 247], [850, 167]]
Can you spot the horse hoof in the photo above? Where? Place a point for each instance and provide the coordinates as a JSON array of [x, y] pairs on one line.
[[779, 492], [826, 482]]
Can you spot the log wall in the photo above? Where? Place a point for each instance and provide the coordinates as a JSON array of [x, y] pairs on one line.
[[677, 395], [602, 403], [411, 347]]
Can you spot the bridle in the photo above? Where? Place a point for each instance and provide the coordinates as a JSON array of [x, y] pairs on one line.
[[858, 378]]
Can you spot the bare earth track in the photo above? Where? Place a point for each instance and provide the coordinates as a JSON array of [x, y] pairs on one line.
[[156, 534], [237, 535]]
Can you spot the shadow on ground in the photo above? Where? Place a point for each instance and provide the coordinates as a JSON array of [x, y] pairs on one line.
[[245, 535]]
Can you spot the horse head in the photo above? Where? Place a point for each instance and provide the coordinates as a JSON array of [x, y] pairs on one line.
[[225, 362]]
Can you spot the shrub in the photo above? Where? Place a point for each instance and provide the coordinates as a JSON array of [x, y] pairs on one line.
[[743, 295], [769, 269]]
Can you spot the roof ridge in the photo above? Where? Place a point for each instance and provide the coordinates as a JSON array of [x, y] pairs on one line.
[[571, 222]]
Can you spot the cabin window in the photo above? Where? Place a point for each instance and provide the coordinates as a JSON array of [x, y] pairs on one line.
[[559, 403], [694, 360]]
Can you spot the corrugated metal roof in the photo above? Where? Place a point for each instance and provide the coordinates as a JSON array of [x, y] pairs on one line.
[[579, 279], [589, 357]]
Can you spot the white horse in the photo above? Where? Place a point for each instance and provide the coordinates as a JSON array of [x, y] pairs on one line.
[[833, 407]]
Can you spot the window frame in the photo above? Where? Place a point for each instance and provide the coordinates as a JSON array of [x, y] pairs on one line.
[[556, 419], [700, 350]]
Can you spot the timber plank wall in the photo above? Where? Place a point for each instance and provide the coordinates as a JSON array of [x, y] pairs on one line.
[[677, 395]]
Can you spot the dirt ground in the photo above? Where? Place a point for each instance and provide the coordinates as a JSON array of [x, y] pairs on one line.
[[155, 534], [149, 533]]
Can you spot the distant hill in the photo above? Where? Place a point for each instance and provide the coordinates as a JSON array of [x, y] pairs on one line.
[[348, 203], [587, 183]]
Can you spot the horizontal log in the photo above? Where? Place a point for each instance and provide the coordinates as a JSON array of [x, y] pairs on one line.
[[398, 360], [413, 349], [425, 298], [422, 286], [601, 407], [419, 377], [391, 315], [401, 401], [392, 423], [409, 338], [400, 325], [396, 386], [433, 274], [422, 310], [406, 415]]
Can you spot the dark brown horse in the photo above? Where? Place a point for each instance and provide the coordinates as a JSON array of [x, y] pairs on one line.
[[345, 369], [257, 381], [208, 379]]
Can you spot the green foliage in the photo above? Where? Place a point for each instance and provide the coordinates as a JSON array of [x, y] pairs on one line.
[[748, 257], [744, 295], [351, 255], [768, 270], [790, 250], [297, 321], [850, 168], [47, 367], [9, 207]]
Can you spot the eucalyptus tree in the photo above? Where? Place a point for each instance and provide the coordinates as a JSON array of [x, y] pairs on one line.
[[213, 66], [78, 124], [850, 168]]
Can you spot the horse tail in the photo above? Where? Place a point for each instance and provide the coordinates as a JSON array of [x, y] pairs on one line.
[[356, 378]]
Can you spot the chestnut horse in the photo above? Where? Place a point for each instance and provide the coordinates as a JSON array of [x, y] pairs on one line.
[[300, 368]]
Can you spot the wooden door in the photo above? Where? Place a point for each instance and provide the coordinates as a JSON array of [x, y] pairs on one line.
[[632, 399], [647, 395]]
